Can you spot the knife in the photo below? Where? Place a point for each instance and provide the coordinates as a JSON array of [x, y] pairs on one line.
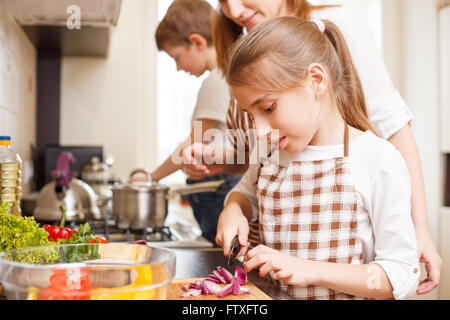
[[235, 248]]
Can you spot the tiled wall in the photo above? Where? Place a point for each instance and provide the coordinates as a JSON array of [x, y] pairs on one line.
[[18, 60]]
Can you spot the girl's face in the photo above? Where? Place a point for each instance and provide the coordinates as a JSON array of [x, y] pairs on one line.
[[250, 13], [188, 58], [289, 119]]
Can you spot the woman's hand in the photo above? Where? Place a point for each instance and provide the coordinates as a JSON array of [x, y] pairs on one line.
[[433, 264], [292, 270], [232, 222], [194, 158]]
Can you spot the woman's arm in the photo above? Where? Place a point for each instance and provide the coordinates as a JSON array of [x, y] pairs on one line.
[[404, 141], [174, 162]]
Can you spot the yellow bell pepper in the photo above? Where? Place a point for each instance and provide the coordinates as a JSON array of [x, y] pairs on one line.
[[144, 278]]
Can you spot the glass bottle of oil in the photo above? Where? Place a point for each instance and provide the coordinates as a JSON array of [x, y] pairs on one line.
[[10, 176]]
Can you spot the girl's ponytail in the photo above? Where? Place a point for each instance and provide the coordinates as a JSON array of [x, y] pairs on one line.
[[225, 34], [348, 90]]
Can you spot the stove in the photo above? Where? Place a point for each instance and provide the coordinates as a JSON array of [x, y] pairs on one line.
[[114, 234], [179, 231], [179, 234]]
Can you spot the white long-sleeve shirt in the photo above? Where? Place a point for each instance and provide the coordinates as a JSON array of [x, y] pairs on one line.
[[382, 185]]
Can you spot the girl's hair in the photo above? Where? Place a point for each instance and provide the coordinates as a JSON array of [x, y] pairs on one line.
[[226, 32], [183, 18], [276, 55]]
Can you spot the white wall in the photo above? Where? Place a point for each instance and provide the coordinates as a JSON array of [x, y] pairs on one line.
[[113, 101], [18, 61], [393, 40]]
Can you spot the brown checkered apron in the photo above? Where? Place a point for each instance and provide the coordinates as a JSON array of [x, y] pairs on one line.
[[309, 210]]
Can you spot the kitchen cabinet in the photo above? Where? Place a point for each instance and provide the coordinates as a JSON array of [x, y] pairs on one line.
[[67, 27]]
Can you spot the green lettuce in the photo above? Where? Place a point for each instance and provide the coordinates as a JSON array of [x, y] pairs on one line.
[[19, 232]]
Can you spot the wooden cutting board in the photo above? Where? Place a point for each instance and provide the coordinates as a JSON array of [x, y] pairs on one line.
[[174, 292]]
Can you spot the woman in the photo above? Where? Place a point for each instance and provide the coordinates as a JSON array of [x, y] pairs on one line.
[[387, 111]]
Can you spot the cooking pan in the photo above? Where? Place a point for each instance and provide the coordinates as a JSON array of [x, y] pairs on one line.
[[143, 205]]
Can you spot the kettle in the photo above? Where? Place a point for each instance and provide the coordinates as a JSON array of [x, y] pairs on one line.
[[77, 197]]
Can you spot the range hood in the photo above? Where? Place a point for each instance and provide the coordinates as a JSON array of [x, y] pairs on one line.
[[93, 13], [67, 27]]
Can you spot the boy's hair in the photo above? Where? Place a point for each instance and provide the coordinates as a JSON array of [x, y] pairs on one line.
[[183, 18], [276, 55]]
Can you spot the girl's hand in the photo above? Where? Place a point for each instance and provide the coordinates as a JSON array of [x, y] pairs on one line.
[[292, 270], [433, 264], [231, 223]]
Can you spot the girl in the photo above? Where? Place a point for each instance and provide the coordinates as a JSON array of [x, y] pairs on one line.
[[387, 111], [334, 211]]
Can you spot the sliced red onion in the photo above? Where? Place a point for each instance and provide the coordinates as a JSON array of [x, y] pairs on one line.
[[210, 278], [225, 273], [218, 276], [204, 289], [236, 286], [240, 275], [244, 290], [211, 287], [225, 291], [199, 283], [191, 293], [214, 277], [193, 286], [185, 287]]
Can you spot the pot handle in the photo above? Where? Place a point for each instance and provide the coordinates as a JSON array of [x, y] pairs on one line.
[[209, 186], [136, 171]]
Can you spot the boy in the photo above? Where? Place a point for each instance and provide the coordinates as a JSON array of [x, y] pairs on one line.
[[185, 34]]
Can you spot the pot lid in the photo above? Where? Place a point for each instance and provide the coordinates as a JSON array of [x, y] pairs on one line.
[[141, 186]]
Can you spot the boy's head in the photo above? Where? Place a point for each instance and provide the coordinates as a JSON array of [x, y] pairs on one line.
[[185, 34]]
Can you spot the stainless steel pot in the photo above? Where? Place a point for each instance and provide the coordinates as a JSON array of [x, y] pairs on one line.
[[138, 206]]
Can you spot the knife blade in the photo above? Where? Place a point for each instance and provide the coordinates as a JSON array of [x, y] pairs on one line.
[[235, 248]]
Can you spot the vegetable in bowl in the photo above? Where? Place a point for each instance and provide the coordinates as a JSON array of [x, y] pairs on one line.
[[21, 232]]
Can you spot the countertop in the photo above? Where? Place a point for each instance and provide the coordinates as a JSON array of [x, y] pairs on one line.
[[199, 263]]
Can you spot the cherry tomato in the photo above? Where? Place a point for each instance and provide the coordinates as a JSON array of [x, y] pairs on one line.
[[99, 240]]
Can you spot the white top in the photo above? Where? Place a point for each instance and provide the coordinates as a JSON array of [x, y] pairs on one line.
[[213, 100], [387, 111], [382, 185]]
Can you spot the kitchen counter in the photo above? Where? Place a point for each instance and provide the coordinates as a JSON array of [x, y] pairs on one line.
[[200, 263]]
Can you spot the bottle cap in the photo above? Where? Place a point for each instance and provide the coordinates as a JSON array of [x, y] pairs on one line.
[[5, 140]]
